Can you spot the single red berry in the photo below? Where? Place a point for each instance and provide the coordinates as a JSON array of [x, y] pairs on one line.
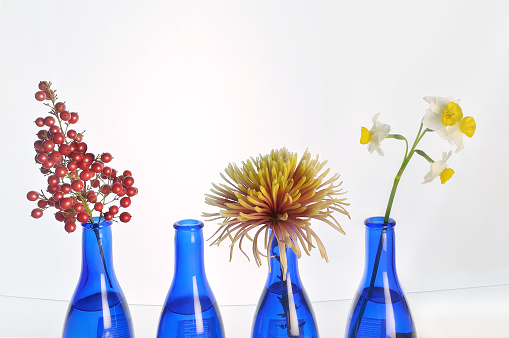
[[60, 106], [55, 157], [59, 216], [77, 185], [49, 121], [83, 217], [72, 166], [66, 188], [128, 181], [83, 165], [38, 145], [71, 133], [42, 158], [48, 145], [97, 167], [43, 85], [48, 165], [98, 206], [77, 157], [44, 171], [70, 227], [107, 216], [61, 171], [42, 204], [92, 198], [79, 138], [125, 217], [128, 173], [66, 203], [33, 196], [52, 189], [37, 213], [125, 202], [64, 149], [59, 138], [113, 210], [131, 191], [116, 188], [85, 175], [82, 147], [105, 189], [107, 171], [79, 207], [122, 192], [88, 158], [40, 96], [53, 180], [74, 118], [106, 157], [65, 115], [39, 122], [53, 129], [58, 196], [96, 183], [42, 134], [49, 94]]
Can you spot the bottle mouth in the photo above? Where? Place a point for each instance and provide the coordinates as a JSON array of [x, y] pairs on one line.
[[188, 224], [377, 222], [97, 223]]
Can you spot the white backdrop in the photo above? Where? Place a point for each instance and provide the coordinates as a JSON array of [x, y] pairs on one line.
[[176, 90]]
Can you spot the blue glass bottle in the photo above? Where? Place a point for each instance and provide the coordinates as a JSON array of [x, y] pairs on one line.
[[190, 309], [284, 309], [379, 309], [98, 307]]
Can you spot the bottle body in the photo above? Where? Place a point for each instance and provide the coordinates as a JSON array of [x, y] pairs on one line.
[[98, 307], [284, 309], [190, 309], [379, 308]]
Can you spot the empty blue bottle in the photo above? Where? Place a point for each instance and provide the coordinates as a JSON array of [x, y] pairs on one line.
[[190, 309]]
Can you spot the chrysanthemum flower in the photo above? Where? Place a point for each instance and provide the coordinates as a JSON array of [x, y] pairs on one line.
[[375, 135], [439, 169], [278, 193], [445, 116]]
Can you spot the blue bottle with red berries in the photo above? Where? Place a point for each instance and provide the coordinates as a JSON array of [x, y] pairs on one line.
[[98, 307]]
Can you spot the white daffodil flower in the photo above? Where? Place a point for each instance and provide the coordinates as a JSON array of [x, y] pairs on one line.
[[439, 169], [375, 136], [445, 117]]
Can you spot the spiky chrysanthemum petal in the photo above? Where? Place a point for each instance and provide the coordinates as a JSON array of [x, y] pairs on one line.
[[276, 192]]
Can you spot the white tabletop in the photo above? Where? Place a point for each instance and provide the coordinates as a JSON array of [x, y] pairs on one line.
[[480, 312]]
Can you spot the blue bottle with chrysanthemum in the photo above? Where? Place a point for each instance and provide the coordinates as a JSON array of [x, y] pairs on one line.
[[190, 309], [284, 309]]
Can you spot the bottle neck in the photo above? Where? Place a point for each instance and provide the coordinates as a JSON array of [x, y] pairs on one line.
[[97, 273], [380, 252], [275, 277], [96, 248], [189, 260]]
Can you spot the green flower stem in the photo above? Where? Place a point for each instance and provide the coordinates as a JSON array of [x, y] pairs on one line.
[[406, 159]]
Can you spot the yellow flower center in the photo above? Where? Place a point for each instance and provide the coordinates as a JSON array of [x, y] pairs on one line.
[[446, 175], [467, 126], [452, 114], [365, 135]]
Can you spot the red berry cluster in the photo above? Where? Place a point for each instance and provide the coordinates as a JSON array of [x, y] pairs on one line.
[[79, 182]]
